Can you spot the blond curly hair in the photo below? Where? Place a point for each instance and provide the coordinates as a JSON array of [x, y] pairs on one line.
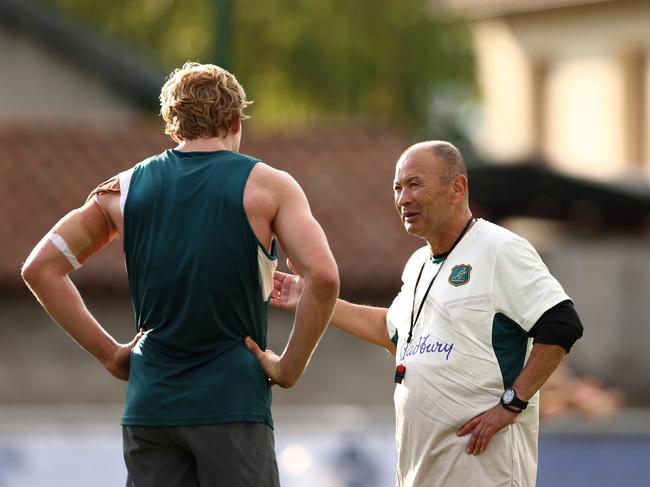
[[201, 101]]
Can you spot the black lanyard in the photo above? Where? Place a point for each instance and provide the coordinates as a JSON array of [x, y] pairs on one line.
[[424, 298]]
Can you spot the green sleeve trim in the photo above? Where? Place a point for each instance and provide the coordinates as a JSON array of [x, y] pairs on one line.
[[510, 342]]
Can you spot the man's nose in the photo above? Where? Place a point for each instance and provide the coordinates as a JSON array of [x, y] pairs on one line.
[[402, 198]]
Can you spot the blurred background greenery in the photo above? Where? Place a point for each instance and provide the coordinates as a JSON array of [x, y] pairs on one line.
[[395, 63]]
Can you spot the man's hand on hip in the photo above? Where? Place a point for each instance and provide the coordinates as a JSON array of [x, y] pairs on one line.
[[484, 426], [118, 364]]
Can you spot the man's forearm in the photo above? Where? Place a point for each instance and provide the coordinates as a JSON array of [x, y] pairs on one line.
[[313, 313], [60, 298], [543, 360], [365, 322]]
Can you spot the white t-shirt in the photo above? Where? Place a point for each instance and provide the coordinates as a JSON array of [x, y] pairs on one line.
[[469, 343]]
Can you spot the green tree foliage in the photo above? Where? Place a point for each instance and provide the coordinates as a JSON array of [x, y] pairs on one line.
[[390, 61]]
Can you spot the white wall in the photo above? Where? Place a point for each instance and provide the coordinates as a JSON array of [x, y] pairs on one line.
[[564, 83]]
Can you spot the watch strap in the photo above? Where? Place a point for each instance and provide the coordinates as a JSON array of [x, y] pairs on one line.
[[511, 409], [515, 402]]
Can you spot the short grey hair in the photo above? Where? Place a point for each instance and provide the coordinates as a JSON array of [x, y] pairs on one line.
[[447, 154]]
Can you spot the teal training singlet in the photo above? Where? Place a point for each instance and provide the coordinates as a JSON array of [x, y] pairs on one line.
[[194, 277]]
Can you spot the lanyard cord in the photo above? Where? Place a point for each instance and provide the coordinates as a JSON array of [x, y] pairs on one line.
[[426, 293]]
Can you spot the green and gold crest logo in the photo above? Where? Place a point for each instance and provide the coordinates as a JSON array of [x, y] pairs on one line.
[[460, 274]]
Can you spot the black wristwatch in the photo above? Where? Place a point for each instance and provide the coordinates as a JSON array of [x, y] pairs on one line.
[[511, 402]]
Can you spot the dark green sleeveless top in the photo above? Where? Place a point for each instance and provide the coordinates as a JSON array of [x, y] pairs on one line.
[[192, 263]]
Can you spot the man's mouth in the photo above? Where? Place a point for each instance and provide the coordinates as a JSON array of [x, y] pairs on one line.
[[409, 216]]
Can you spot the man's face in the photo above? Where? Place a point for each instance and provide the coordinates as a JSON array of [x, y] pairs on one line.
[[422, 198]]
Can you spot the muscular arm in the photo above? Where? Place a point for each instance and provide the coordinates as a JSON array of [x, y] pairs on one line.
[[304, 242], [85, 232]]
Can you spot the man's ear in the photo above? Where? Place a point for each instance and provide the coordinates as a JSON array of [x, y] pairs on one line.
[[235, 127], [459, 186]]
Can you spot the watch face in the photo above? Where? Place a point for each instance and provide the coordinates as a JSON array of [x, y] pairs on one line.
[[508, 396]]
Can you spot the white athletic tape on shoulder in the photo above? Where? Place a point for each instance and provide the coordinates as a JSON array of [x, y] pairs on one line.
[[60, 244]]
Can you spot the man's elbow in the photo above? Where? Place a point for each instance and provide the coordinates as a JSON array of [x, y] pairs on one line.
[[34, 273], [326, 281], [30, 273]]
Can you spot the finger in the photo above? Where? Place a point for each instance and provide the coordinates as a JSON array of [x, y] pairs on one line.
[[285, 293], [489, 433], [484, 444], [279, 276], [468, 427], [477, 447], [278, 300], [290, 266], [473, 439], [482, 437], [253, 347]]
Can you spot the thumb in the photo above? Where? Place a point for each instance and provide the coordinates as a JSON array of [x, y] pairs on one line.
[[290, 266], [136, 338], [253, 347]]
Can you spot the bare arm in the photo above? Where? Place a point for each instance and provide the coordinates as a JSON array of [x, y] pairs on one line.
[[305, 244], [85, 231], [365, 322], [543, 360], [541, 364]]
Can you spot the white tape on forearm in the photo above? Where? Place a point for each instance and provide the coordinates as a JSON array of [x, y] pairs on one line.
[[60, 244]]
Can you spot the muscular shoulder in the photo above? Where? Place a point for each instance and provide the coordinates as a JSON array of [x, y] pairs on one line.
[[266, 191], [270, 184], [270, 178]]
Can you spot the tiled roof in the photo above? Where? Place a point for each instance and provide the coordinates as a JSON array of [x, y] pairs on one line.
[[49, 169]]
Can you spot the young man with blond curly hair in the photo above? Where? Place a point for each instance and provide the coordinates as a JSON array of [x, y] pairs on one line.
[[199, 224]]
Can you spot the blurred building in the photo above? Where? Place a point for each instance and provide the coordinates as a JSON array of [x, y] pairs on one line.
[[565, 125], [568, 80]]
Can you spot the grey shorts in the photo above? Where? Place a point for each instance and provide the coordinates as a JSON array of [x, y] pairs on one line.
[[228, 455]]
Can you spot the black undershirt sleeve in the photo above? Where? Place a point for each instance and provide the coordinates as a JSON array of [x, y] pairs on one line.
[[559, 325]]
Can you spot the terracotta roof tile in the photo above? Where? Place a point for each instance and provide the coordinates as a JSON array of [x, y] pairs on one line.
[[49, 169]]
